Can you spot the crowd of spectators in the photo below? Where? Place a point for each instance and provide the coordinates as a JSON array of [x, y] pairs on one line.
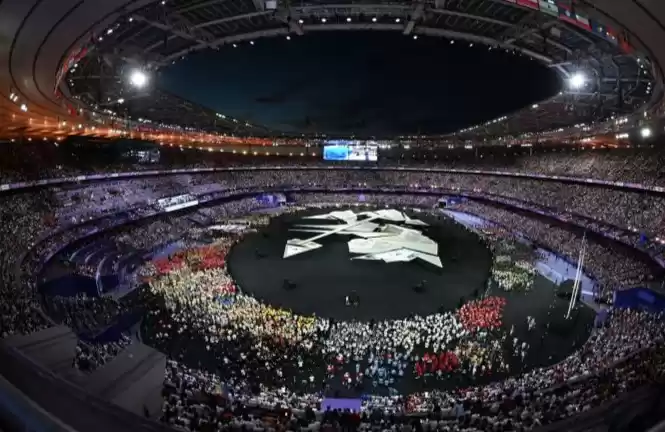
[[24, 160], [611, 267], [90, 356], [259, 349], [232, 325], [43, 218], [82, 313], [631, 215]]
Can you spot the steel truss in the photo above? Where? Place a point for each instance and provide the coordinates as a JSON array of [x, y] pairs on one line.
[[159, 35]]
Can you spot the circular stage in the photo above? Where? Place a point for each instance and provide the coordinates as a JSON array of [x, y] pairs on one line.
[[319, 281]]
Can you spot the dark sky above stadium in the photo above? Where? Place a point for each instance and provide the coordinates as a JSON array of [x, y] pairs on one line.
[[364, 83]]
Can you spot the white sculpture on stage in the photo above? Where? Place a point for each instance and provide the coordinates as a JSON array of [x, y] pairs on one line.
[[384, 241]]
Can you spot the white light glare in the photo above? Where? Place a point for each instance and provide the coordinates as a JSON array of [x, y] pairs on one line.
[[645, 132], [121, 101], [24, 107], [577, 80], [138, 79]]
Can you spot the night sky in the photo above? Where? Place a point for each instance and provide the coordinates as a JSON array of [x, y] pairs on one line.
[[364, 83]]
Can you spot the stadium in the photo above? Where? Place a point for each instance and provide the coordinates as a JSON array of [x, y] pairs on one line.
[[171, 263]]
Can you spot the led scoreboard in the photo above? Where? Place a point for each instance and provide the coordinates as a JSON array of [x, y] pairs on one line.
[[343, 150]]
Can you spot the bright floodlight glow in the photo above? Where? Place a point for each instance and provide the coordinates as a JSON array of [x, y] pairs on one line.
[[645, 132], [577, 80], [138, 79]]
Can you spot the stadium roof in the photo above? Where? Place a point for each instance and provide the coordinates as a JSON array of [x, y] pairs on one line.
[[619, 61]]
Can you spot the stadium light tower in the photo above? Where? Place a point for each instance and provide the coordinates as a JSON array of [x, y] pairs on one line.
[[577, 80], [138, 78]]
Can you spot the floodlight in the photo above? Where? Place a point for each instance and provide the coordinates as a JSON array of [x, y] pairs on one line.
[[645, 132], [577, 80], [138, 78]]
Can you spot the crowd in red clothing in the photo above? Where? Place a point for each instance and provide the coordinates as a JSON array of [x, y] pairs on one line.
[[201, 258], [169, 264], [445, 362], [482, 314]]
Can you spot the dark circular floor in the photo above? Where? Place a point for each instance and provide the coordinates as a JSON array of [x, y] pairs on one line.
[[324, 277]]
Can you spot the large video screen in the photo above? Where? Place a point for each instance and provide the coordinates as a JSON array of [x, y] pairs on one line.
[[339, 150]]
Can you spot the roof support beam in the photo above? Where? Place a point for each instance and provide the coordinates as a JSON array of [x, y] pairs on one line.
[[427, 31], [182, 33], [474, 17], [530, 31], [259, 5], [227, 20], [167, 27], [416, 15], [290, 18], [200, 5], [536, 33]]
